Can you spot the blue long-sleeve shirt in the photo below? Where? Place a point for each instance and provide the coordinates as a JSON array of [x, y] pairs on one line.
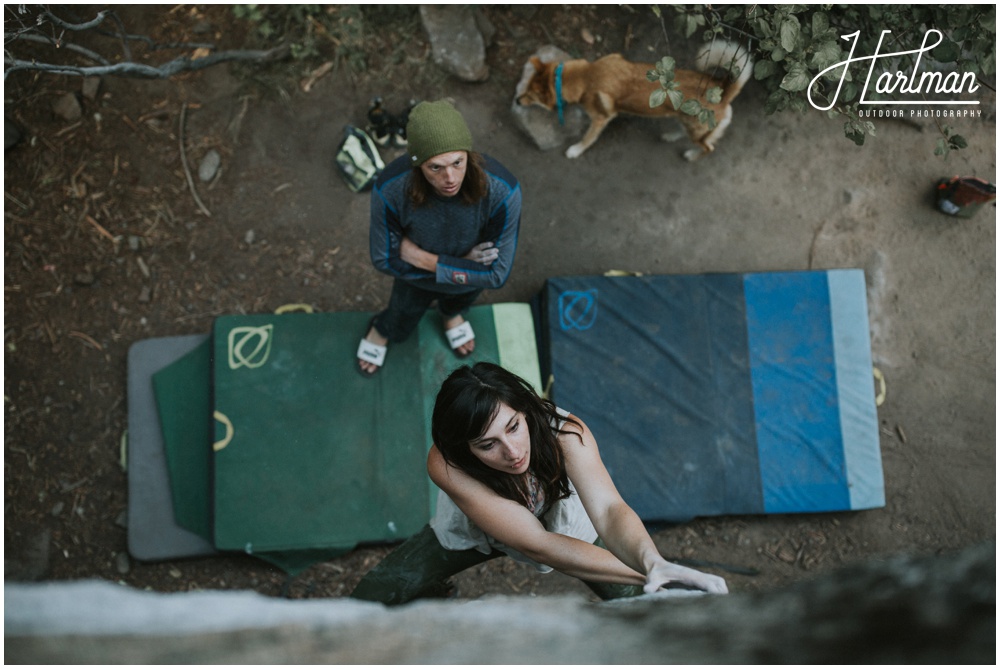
[[447, 227]]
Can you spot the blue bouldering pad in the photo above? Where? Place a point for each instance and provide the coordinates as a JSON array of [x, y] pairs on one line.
[[721, 394]]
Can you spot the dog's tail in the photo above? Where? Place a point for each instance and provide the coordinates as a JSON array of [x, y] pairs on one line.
[[731, 57]]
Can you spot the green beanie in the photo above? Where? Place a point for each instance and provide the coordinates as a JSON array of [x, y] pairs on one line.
[[435, 128]]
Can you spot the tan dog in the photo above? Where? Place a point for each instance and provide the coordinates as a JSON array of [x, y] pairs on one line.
[[612, 85]]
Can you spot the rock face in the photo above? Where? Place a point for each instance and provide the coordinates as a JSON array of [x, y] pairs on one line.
[[905, 610], [457, 45]]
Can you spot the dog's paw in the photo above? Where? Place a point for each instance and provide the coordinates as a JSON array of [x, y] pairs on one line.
[[692, 155], [575, 151]]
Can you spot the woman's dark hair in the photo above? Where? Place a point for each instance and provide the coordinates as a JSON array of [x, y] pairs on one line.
[[469, 401], [474, 188]]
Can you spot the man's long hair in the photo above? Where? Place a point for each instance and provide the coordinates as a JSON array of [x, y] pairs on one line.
[[467, 404], [475, 186]]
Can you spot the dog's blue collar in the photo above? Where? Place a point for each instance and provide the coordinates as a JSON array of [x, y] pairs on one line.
[[559, 97]]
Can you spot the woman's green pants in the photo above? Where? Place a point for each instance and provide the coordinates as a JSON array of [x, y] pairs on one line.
[[420, 567]]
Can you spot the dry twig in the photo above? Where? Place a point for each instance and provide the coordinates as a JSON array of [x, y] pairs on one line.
[[87, 338], [187, 170], [100, 228]]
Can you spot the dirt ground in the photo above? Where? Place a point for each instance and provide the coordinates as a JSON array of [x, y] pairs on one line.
[[105, 246]]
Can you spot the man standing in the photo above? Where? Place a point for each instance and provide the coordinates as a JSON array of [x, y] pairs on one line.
[[444, 225]]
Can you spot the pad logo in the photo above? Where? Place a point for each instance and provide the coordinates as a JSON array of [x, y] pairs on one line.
[[249, 346], [577, 309], [460, 278]]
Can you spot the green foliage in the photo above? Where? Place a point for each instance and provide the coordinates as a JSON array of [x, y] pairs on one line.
[[793, 44], [671, 90], [948, 141], [316, 32], [273, 22]]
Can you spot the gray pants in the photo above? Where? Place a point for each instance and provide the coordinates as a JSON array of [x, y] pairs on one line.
[[421, 566]]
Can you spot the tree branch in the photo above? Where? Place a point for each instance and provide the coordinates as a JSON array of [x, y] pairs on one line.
[[164, 71], [97, 58], [93, 23], [30, 31], [121, 33]]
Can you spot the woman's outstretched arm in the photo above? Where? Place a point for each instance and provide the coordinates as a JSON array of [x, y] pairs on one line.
[[617, 524], [515, 526]]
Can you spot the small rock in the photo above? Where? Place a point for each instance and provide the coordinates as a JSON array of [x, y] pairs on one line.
[[786, 554], [209, 165], [249, 237], [145, 295], [68, 108], [90, 87], [122, 520], [122, 563], [57, 508], [134, 242], [84, 279]]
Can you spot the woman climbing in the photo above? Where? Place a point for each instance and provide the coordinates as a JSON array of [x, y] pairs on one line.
[[522, 478]]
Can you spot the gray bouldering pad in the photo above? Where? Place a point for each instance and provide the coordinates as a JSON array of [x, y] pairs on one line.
[[153, 533]]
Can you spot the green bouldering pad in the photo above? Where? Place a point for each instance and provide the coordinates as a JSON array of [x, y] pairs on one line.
[[277, 445], [319, 458], [183, 398], [308, 453]]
